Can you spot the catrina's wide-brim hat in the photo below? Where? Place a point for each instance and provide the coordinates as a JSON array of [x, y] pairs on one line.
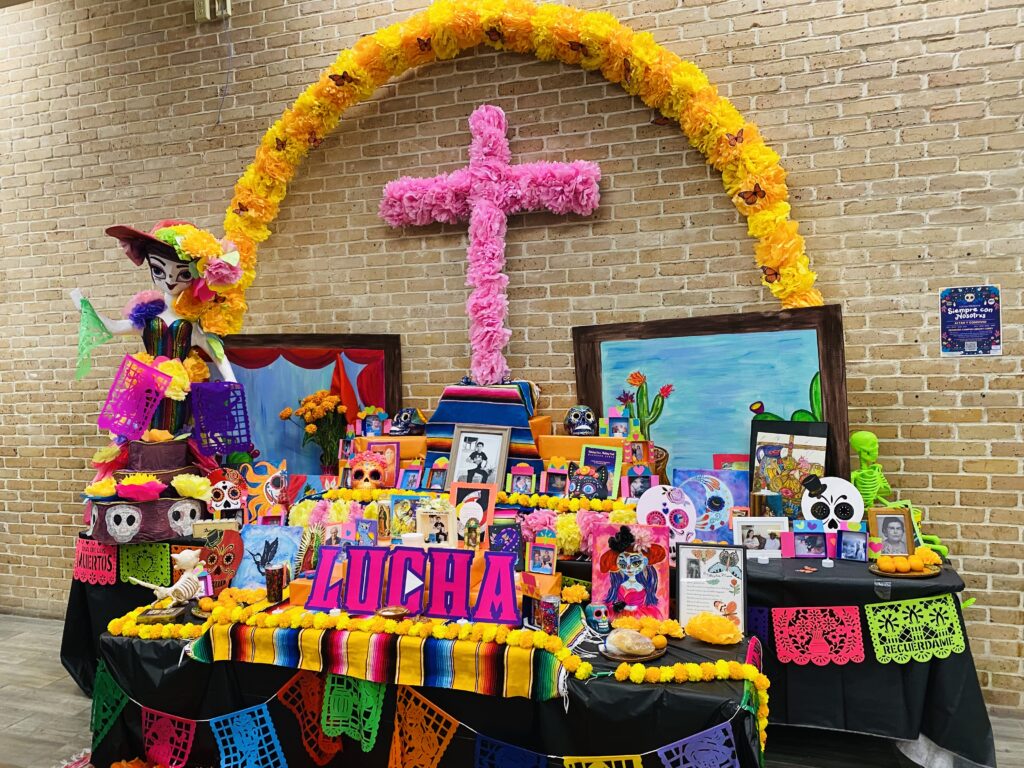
[[137, 244]]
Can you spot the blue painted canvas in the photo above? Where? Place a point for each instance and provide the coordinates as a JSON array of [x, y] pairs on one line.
[[716, 379], [266, 545]]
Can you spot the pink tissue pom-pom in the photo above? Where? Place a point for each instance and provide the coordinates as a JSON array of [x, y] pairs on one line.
[[144, 492], [221, 274], [536, 521], [321, 513], [643, 538], [588, 520]]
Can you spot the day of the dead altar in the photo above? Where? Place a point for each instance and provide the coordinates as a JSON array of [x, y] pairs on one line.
[[649, 578]]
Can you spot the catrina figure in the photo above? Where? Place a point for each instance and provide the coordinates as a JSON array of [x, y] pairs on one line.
[[632, 577]]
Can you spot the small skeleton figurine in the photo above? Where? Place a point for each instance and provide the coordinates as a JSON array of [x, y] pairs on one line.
[[186, 588]]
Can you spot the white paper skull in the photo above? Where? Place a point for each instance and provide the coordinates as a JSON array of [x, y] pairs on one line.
[[831, 500], [182, 515], [123, 522]]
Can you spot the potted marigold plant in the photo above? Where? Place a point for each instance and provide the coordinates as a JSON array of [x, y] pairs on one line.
[[322, 418], [639, 406]]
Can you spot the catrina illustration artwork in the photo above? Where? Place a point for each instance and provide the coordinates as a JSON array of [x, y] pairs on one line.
[[630, 570]]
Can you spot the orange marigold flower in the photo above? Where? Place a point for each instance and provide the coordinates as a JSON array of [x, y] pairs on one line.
[[285, 414], [311, 429]]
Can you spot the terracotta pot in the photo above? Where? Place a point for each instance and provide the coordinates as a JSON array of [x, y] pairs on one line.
[[152, 457], [660, 456]]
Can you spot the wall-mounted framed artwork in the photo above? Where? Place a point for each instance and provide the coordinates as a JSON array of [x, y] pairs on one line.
[[277, 369], [709, 377]]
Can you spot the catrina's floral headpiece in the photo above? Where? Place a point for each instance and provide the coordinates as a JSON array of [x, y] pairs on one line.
[[219, 276]]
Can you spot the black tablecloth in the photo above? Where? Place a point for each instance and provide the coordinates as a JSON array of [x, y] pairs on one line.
[[940, 699], [604, 716]]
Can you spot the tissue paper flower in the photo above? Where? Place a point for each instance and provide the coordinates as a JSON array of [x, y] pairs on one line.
[[180, 384], [140, 486], [716, 630], [156, 436], [101, 489], [192, 487]]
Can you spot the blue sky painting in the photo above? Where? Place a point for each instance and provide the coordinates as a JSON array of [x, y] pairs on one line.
[[716, 379], [268, 391]]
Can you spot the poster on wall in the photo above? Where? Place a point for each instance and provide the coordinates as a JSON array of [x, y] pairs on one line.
[[970, 321], [278, 370]]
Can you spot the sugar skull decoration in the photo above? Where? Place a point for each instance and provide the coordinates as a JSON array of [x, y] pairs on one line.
[[597, 618], [633, 582], [408, 421], [668, 506], [587, 482], [228, 494], [580, 421], [124, 522], [183, 514], [832, 501], [224, 558], [368, 470]]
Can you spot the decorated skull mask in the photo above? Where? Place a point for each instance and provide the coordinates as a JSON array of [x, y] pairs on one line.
[[123, 522], [580, 421], [368, 471], [597, 618], [224, 557], [183, 514], [587, 482], [832, 500], [408, 421], [227, 494]]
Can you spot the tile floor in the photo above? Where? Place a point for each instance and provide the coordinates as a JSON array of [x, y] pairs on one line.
[[44, 718]]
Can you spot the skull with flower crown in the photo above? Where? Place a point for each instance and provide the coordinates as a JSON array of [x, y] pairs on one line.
[[368, 470]]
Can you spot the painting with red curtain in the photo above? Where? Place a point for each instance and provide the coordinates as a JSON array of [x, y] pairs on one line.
[[277, 371]]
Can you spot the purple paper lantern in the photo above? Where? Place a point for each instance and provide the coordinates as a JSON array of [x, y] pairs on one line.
[[222, 420], [133, 398]]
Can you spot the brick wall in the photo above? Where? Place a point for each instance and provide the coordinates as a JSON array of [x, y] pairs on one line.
[[899, 123]]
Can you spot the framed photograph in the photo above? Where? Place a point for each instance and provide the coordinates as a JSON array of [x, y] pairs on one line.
[[540, 558], [637, 481], [362, 369], [479, 454], [373, 425], [608, 457], [892, 531], [383, 520], [392, 453], [554, 482], [809, 545], [711, 578], [404, 511], [787, 364], [853, 545], [411, 477], [271, 519], [782, 454], [437, 527], [436, 478], [507, 536], [760, 534], [521, 480], [638, 452], [473, 501]]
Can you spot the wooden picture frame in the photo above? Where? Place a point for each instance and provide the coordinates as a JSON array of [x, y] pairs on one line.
[[826, 321], [878, 518]]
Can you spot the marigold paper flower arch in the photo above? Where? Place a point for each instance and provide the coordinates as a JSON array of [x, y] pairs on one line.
[[595, 41]]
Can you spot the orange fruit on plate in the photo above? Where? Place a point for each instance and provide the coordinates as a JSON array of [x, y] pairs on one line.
[[886, 564], [902, 565], [659, 641], [916, 563]]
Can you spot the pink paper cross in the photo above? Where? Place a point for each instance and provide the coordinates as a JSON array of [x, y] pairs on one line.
[[486, 193]]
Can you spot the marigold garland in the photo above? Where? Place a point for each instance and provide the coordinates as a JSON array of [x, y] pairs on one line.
[[595, 41]]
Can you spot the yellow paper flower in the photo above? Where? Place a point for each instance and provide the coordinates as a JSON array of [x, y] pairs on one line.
[[196, 367], [101, 488], [577, 593], [192, 486], [106, 455], [710, 628], [180, 385], [138, 478]]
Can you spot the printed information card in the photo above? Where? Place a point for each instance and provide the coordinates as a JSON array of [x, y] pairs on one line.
[[970, 321]]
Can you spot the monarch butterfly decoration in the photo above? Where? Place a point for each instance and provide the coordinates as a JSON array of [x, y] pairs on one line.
[[735, 138], [342, 79], [751, 197], [423, 43], [771, 274], [728, 610]]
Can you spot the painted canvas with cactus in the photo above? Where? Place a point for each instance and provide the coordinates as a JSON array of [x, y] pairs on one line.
[[696, 395]]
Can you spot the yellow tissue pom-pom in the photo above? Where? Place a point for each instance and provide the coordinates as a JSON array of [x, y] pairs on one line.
[[636, 673], [585, 670], [101, 488], [192, 486], [622, 672], [716, 630]]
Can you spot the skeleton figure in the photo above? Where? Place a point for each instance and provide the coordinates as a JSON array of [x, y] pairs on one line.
[[188, 586], [408, 421], [580, 421]]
